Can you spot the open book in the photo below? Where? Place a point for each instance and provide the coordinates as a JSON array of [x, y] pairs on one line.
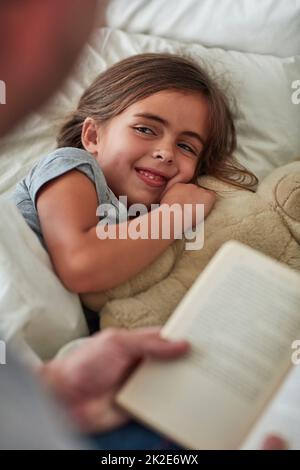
[[241, 316]]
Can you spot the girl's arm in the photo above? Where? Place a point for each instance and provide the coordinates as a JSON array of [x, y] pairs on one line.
[[84, 263]]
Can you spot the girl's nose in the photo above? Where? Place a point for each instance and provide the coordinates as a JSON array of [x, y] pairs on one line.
[[164, 155]]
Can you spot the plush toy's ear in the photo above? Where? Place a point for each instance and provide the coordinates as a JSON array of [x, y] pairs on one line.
[[281, 189], [269, 183], [287, 197]]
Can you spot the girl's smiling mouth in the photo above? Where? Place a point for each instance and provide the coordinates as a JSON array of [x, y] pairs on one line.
[[152, 178]]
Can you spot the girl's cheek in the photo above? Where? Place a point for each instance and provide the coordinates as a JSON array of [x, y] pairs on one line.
[[191, 170], [187, 171]]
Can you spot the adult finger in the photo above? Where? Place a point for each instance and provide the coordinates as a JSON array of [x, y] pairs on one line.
[[274, 442], [149, 342]]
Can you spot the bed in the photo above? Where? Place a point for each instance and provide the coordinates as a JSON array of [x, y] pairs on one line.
[[253, 49]]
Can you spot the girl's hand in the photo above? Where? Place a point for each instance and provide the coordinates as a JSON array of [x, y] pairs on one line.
[[182, 193]]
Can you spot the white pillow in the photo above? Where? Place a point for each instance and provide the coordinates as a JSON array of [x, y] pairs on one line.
[[260, 26], [37, 314], [267, 121]]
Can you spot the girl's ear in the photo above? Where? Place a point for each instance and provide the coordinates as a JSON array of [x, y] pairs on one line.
[[89, 136]]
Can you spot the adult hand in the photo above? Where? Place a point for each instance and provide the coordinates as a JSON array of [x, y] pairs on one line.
[[88, 379], [274, 442]]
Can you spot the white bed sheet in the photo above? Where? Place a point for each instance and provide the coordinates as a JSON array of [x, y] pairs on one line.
[[260, 26]]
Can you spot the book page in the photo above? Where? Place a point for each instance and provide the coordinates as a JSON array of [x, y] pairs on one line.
[[241, 316], [281, 417]]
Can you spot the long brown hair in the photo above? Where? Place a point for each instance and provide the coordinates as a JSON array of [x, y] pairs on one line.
[[140, 76]]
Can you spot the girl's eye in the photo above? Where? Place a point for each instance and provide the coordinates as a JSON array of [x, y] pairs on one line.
[[188, 148], [144, 130]]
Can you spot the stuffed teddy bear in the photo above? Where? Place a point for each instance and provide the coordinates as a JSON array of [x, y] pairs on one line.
[[268, 220]]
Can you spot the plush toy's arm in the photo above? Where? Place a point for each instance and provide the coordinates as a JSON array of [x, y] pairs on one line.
[[149, 308], [155, 305]]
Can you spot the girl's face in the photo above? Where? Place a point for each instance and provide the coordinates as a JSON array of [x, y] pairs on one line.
[[153, 144]]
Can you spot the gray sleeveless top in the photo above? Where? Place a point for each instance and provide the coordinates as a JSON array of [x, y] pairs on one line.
[[51, 166]]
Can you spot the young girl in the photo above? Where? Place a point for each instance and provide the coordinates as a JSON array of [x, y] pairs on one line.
[[145, 129]]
